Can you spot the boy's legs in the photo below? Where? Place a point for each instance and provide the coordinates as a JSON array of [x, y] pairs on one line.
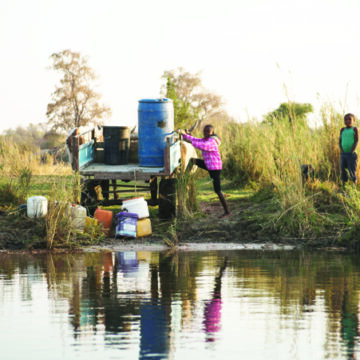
[[344, 167], [352, 164], [348, 164]]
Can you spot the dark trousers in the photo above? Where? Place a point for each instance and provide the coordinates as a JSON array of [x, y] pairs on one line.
[[214, 174], [348, 164]]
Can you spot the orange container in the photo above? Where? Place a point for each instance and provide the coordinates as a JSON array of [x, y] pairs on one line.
[[104, 217]]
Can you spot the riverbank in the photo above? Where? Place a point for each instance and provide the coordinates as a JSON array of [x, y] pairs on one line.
[[258, 219]]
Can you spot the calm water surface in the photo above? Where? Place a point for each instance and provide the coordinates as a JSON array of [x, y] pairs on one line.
[[163, 305]]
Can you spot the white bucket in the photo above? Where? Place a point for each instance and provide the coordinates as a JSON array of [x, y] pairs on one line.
[[36, 206], [138, 206]]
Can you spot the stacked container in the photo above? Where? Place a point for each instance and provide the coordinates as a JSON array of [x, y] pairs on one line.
[[134, 220]]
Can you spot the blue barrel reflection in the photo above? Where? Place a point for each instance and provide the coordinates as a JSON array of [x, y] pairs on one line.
[[155, 121]]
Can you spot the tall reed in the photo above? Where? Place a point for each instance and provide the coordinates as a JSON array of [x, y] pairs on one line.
[[271, 155], [58, 221], [14, 158]]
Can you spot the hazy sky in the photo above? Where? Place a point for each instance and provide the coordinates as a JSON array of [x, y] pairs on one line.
[[249, 51]]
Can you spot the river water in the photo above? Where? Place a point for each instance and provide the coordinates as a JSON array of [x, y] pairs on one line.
[[179, 305]]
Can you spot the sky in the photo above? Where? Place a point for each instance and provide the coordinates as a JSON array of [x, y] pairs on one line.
[[255, 54]]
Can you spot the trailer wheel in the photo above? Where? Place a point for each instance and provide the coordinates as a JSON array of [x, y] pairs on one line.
[[167, 198]]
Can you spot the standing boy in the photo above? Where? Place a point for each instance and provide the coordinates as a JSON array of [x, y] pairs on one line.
[[209, 146], [348, 141]]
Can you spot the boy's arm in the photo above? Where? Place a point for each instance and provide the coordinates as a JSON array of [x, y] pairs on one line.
[[341, 149], [356, 139]]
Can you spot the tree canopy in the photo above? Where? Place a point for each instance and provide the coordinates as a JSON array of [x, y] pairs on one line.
[[292, 112], [191, 100], [74, 102], [34, 136]]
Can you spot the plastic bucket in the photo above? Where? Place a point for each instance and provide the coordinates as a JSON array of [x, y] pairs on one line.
[[78, 216], [36, 206], [155, 121], [137, 206], [116, 144], [126, 224], [104, 217]]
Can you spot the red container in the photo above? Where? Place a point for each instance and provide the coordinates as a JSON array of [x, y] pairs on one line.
[[105, 218]]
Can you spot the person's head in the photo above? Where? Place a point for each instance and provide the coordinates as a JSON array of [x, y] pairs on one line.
[[349, 120], [208, 131]]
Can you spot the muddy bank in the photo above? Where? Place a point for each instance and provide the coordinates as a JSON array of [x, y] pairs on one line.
[[138, 246], [205, 231]]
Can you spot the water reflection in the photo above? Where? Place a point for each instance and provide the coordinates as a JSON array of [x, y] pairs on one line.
[[212, 314], [152, 305]]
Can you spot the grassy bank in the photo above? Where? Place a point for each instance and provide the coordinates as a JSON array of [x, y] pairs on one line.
[[268, 195]]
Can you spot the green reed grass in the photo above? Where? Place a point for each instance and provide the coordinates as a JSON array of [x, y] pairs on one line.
[[270, 156], [186, 194]]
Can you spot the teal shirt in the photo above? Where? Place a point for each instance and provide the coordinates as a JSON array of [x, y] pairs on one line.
[[347, 139]]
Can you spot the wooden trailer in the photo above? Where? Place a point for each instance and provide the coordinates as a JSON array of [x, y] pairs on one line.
[[87, 159]]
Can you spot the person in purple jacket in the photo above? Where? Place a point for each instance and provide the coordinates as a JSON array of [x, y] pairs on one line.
[[209, 146]]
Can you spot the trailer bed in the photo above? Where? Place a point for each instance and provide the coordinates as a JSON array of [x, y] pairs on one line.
[[102, 171]]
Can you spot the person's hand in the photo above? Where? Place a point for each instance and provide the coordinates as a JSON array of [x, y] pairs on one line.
[[180, 132]]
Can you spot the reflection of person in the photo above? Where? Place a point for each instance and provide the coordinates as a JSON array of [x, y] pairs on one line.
[[348, 141], [209, 146], [349, 322], [212, 315]]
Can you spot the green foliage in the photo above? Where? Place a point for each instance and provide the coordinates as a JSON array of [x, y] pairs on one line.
[[291, 112], [74, 103], [10, 196], [271, 154], [24, 181], [52, 140], [12, 193], [186, 194]]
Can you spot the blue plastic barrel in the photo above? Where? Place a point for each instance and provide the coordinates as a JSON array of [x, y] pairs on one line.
[[155, 121]]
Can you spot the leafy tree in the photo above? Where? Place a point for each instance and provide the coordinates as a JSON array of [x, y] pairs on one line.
[[191, 101], [292, 112], [75, 103]]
